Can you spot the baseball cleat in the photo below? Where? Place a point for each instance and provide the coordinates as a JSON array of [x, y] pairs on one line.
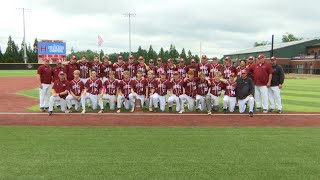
[[180, 112], [258, 109], [42, 110], [150, 109], [170, 109], [50, 113], [132, 109], [209, 113], [155, 109], [265, 111], [101, 111], [279, 111], [225, 111], [250, 114], [271, 110], [83, 112], [118, 111]]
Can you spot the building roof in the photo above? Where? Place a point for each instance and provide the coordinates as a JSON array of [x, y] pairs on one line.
[[315, 45], [268, 47]]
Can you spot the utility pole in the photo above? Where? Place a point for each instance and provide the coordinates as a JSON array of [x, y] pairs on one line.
[[25, 58], [129, 15]]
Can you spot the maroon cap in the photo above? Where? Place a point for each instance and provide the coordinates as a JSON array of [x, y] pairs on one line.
[[141, 58], [159, 59], [214, 58], [61, 73], [227, 58], [170, 60], [261, 56], [273, 58], [119, 57], [250, 58], [204, 57], [176, 73], [151, 61], [131, 57]]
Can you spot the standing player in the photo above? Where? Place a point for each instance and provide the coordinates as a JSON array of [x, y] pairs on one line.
[[214, 67], [131, 66], [241, 67], [109, 92], [276, 85], [160, 67], [177, 90], [56, 70], [170, 68], [202, 97], [96, 64], [203, 66], [70, 68], [152, 67], [215, 91], [141, 66], [76, 90], [119, 67], [245, 93], [161, 91], [262, 73], [104, 69], [139, 90], [182, 69], [230, 95], [189, 84], [93, 87], [84, 66], [250, 62], [124, 90], [59, 91], [44, 77], [193, 67], [228, 68]]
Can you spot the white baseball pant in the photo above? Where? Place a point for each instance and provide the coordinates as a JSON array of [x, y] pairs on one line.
[[44, 94], [110, 99], [243, 102], [70, 100], [214, 102], [62, 101], [92, 98], [149, 102], [274, 98], [229, 102], [156, 99], [121, 99], [261, 96], [177, 100], [201, 102], [133, 99], [190, 100]]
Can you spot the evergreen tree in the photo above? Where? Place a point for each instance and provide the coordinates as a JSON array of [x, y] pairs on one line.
[[34, 57], [1, 56], [12, 52], [101, 54], [161, 53]]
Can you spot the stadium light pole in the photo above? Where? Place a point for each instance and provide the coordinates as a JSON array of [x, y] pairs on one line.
[[25, 58], [129, 15]]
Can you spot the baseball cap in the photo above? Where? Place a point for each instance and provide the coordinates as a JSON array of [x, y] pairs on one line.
[[151, 61], [73, 57], [261, 56], [170, 60], [204, 57], [273, 58], [61, 73], [193, 60], [159, 59], [176, 73], [58, 61], [214, 58], [141, 58], [250, 58], [227, 58], [181, 60], [131, 57], [119, 57]]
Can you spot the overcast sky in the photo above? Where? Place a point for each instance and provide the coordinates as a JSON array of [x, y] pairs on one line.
[[222, 26]]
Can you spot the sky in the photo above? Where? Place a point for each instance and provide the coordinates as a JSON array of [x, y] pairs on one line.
[[221, 27]]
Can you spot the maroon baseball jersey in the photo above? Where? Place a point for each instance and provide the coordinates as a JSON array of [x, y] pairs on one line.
[[182, 70], [69, 69], [239, 69], [125, 87], [202, 87], [76, 87], [132, 68], [170, 71], [204, 68], [45, 73], [163, 87], [227, 70], [160, 69], [213, 69], [152, 84], [140, 86], [119, 69], [250, 73], [230, 88], [154, 69], [194, 69], [104, 70], [261, 73], [190, 87], [142, 68], [95, 66], [61, 86], [55, 72], [94, 86], [216, 87], [177, 87], [110, 86], [84, 69]]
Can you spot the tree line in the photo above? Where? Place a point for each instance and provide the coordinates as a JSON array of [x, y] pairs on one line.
[[14, 54]]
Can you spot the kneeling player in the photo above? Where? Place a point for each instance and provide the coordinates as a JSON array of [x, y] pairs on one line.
[[190, 87], [177, 90], [93, 87], [124, 90], [109, 92], [245, 93], [59, 91], [229, 99], [202, 97], [76, 89], [140, 90], [161, 91], [215, 91]]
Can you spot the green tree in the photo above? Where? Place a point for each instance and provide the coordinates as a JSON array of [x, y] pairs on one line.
[[173, 53], [151, 54], [166, 56], [183, 54], [262, 43], [101, 54], [196, 57], [34, 57], [161, 53], [12, 52], [288, 37], [1, 56]]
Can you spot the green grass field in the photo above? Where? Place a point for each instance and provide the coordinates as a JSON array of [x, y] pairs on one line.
[[15, 73], [159, 153]]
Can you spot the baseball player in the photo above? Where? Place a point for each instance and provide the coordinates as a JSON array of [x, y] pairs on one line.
[[182, 69], [76, 90], [193, 67], [161, 91], [96, 64], [241, 67], [216, 86], [93, 88], [44, 77], [125, 88], [250, 61], [70, 68], [262, 73], [245, 93], [170, 68], [189, 84], [131, 67], [276, 85], [228, 68], [119, 67], [56, 70], [230, 95], [151, 66], [109, 92], [104, 69], [152, 85], [139, 90], [59, 91], [177, 90], [141, 66], [160, 67], [202, 97], [84, 66], [203, 66], [214, 67]]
